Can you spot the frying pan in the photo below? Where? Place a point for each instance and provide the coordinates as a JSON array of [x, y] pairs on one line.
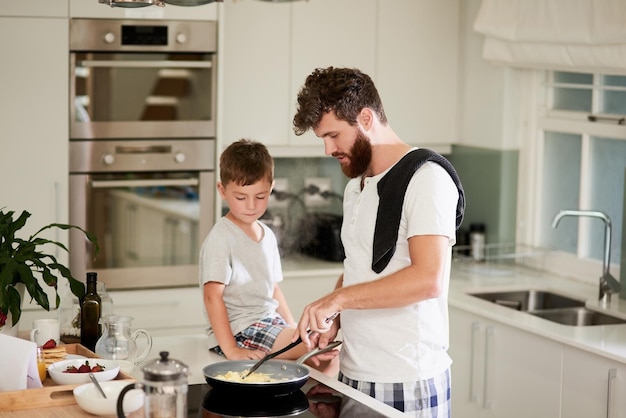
[[290, 375]]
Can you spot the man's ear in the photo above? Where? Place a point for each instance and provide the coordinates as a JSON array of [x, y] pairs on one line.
[[365, 118]]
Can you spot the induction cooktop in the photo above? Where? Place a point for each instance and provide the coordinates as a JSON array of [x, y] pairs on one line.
[[313, 400]]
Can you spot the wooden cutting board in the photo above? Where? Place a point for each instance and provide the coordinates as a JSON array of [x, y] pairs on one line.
[[51, 394]]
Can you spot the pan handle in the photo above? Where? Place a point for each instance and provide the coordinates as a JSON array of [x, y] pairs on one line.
[[332, 345]]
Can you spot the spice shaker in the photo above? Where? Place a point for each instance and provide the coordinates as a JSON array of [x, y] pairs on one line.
[[477, 241]]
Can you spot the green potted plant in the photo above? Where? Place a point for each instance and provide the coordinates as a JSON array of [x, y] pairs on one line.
[[23, 260]]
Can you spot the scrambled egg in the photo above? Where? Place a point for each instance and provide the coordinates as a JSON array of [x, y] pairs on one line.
[[253, 378]]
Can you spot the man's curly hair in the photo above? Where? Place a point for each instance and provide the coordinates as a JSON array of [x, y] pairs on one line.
[[344, 91]]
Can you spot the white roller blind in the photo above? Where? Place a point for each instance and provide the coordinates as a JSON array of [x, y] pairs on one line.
[[566, 35]]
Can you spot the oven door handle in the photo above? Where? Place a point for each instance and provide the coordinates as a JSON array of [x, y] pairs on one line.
[[107, 184], [144, 64]]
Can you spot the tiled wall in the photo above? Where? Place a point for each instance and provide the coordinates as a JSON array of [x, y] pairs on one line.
[[489, 178]]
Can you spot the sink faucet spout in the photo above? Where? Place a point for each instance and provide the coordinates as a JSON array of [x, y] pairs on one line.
[[608, 283]]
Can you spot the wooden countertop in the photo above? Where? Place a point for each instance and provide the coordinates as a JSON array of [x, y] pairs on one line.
[[68, 411]]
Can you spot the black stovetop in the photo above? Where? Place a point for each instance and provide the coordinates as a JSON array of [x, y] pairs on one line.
[[312, 400]]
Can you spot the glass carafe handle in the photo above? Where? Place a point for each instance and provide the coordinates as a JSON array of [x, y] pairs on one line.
[[141, 357]]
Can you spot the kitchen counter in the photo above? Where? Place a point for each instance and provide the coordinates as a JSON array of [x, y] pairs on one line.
[[192, 350], [607, 341], [604, 340]]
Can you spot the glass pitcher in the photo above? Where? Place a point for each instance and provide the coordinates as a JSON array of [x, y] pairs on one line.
[[119, 343]]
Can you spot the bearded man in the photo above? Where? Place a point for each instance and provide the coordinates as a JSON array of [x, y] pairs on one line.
[[401, 210]]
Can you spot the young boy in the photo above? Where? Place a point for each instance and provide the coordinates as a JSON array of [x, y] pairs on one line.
[[240, 265]]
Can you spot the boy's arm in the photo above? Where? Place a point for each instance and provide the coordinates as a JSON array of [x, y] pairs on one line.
[[283, 308], [218, 317]]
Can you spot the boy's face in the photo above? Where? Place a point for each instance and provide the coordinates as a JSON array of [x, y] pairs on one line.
[[246, 203]]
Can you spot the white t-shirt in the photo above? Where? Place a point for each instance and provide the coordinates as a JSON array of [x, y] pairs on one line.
[[249, 270], [400, 344]]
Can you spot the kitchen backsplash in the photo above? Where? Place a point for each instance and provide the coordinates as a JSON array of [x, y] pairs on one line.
[[489, 179]]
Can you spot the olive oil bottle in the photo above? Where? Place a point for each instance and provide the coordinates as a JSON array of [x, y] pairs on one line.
[[90, 311]]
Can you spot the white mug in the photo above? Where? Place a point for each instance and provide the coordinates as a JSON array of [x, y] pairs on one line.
[[45, 330]]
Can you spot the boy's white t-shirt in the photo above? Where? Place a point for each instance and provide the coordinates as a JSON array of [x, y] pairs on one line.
[[249, 270], [400, 344]]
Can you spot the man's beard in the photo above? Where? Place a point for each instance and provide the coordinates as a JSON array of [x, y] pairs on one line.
[[359, 157]]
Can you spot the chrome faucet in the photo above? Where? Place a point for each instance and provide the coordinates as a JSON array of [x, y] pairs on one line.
[[608, 283]]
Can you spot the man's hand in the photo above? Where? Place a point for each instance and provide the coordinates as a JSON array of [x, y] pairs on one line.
[[321, 341], [318, 317]]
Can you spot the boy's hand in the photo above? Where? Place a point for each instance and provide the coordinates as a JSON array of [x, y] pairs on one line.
[[237, 353]]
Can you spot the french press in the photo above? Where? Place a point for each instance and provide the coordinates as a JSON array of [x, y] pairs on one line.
[[165, 388]]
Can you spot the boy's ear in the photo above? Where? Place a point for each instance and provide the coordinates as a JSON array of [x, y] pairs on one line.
[[221, 189]]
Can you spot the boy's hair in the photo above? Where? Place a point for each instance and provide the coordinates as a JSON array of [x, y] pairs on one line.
[[245, 162], [344, 91]]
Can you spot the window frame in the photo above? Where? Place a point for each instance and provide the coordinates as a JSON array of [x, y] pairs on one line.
[[541, 118]]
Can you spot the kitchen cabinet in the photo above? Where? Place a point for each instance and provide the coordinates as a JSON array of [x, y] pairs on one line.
[[34, 8], [501, 371], [593, 386], [268, 51], [254, 72], [417, 67], [34, 123], [34, 119], [328, 33], [409, 48], [301, 290], [162, 312], [180, 311]]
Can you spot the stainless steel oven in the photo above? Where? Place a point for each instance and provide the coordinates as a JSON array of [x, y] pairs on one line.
[[142, 78], [142, 148], [149, 202]]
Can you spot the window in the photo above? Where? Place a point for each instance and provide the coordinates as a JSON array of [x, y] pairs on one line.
[[581, 147]]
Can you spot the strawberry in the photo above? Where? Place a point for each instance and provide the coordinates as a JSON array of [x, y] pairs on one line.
[[97, 368], [84, 368], [49, 344], [71, 369]]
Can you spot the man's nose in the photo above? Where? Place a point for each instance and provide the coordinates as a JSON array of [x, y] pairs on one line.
[[329, 147]]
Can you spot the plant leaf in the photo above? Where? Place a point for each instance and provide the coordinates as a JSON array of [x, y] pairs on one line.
[[32, 285], [21, 261]]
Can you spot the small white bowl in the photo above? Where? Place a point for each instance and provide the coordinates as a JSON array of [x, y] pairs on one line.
[[90, 400], [57, 371]]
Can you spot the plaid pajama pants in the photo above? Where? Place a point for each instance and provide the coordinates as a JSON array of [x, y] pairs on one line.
[[423, 399], [259, 336]]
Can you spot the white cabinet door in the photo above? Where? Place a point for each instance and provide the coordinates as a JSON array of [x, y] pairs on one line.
[[338, 33], [255, 72], [163, 311], [417, 68], [34, 119], [269, 50], [500, 371], [593, 386], [34, 8], [301, 290], [34, 125]]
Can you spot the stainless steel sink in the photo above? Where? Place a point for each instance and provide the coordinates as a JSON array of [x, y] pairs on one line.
[[530, 300], [551, 306], [579, 317]]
